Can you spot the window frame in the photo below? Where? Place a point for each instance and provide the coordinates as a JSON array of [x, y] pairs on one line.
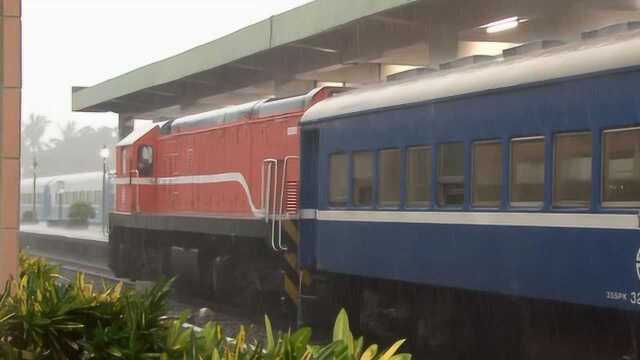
[[613, 204], [151, 166], [438, 156], [537, 205], [352, 171], [430, 176], [484, 204], [377, 178], [348, 180], [554, 158]]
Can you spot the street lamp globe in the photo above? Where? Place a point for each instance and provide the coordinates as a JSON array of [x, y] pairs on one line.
[[104, 152]]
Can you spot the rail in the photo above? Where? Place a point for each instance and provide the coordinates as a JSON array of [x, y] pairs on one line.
[[267, 193], [282, 211]]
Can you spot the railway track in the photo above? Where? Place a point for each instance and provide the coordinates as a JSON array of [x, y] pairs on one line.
[[546, 330]]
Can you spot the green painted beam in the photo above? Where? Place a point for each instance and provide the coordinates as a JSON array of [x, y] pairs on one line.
[[294, 25]]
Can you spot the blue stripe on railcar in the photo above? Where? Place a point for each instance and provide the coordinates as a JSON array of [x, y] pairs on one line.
[[587, 266]]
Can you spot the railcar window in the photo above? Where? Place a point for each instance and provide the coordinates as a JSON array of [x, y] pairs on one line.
[[419, 165], [363, 178], [339, 179], [621, 168], [572, 173], [145, 160], [487, 173], [451, 174], [389, 177], [527, 172]]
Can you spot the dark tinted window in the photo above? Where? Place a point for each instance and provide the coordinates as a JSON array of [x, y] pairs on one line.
[[487, 173], [527, 172], [451, 174], [338, 179], [363, 178], [621, 168], [419, 161], [389, 177], [145, 160], [572, 170]]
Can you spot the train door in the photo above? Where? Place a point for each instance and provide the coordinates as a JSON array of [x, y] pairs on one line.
[[135, 171], [144, 189], [124, 181]]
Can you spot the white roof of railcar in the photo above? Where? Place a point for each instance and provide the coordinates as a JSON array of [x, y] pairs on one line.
[[88, 181], [584, 57], [138, 132]]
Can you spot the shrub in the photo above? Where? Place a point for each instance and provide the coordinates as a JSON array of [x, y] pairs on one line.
[[29, 216], [80, 212], [44, 316]]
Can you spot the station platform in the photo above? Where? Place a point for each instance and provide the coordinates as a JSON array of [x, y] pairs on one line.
[[87, 246], [93, 232]]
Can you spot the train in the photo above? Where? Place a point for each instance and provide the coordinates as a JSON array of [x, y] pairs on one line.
[[516, 175], [55, 194]]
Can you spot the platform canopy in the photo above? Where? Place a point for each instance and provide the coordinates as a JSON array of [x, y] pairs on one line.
[[352, 42]]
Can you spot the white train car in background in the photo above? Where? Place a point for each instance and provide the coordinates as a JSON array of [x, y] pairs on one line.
[[55, 194]]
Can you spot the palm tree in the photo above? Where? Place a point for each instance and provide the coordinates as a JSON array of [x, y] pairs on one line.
[[34, 131], [69, 131]]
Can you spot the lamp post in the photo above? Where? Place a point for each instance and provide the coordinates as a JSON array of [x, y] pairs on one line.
[[34, 167], [104, 154]]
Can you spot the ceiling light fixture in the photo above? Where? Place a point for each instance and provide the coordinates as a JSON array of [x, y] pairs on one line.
[[502, 25]]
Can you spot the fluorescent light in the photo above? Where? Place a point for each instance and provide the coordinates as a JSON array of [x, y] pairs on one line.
[[502, 25], [317, 48]]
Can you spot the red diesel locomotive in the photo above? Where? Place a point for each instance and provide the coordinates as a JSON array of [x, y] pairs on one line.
[[222, 185]]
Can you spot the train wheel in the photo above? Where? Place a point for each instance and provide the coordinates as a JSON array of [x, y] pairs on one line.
[[114, 251], [120, 253], [206, 271]]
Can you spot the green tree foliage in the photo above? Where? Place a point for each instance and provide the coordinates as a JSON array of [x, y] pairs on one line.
[[80, 212], [28, 217], [33, 133], [76, 149], [44, 316], [32, 140]]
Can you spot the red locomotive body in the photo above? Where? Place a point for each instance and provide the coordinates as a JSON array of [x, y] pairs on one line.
[[224, 163], [223, 183]]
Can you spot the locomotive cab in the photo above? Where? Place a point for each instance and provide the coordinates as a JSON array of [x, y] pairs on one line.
[[135, 160]]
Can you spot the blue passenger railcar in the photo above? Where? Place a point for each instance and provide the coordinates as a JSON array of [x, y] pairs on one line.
[[517, 176]]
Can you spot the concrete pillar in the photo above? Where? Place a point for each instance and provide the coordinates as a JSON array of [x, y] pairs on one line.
[[10, 85], [442, 40], [125, 125]]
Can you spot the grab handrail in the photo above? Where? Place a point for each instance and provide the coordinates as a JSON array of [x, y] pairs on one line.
[[282, 198], [271, 165]]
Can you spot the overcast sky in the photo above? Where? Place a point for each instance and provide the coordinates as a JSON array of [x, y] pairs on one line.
[[83, 42]]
